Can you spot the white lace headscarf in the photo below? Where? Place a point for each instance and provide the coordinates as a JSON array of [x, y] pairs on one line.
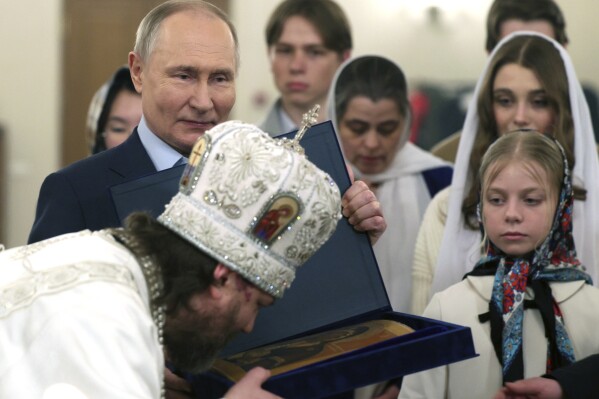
[[460, 248]]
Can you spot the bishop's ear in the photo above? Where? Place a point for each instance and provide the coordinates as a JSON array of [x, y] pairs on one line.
[[222, 275]]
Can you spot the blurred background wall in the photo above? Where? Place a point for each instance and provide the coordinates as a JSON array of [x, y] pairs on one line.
[[438, 42]]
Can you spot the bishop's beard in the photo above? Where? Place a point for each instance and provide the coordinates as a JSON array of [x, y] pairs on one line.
[[192, 345]]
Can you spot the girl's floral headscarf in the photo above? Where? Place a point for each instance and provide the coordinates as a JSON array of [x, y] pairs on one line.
[[554, 260]]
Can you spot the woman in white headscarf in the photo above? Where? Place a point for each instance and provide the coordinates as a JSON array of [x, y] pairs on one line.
[[114, 111], [449, 240], [369, 106]]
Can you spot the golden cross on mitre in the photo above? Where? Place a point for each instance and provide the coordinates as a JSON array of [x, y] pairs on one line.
[[308, 119]]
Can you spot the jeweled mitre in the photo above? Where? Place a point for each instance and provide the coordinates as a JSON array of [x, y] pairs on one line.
[[254, 204]]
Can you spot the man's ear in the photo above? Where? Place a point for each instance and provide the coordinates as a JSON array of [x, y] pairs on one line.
[[136, 69], [270, 55], [346, 54], [222, 274]]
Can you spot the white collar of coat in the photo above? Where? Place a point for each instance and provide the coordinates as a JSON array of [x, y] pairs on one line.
[[483, 285]]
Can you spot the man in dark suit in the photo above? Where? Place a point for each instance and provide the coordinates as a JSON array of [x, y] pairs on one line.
[[183, 64]]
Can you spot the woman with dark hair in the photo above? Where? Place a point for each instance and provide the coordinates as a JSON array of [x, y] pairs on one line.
[[368, 104], [528, 83], [115, 110]]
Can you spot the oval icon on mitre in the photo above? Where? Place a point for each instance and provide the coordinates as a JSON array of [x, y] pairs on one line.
[[283, 211]]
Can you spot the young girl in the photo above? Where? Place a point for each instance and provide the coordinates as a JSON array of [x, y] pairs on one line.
[[530, 305], [529, 82]]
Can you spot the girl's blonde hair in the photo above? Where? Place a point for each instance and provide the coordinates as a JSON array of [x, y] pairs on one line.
[[531, 149]]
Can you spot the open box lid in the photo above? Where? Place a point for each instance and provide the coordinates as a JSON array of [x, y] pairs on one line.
[[149, 194], [340, 282]]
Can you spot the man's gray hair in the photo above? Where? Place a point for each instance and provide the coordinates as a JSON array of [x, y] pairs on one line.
[[148, 30]]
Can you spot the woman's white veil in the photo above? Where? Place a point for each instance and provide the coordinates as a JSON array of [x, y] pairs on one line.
[[460, 247]]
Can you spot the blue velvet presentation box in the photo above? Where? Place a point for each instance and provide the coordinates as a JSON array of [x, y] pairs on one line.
[[339, 286]]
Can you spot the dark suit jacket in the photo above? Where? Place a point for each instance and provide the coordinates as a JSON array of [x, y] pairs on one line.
[[580, 379], [78, 197]]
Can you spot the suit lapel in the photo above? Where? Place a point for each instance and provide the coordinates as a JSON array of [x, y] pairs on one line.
[[130, 160]]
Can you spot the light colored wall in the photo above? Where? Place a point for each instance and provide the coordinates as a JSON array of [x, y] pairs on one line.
[[583, 30], [448, 51], [29, 105]]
